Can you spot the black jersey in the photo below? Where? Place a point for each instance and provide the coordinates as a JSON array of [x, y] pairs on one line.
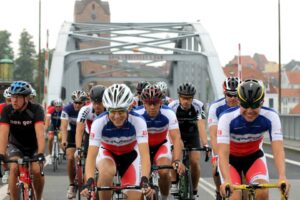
[[22, 132]]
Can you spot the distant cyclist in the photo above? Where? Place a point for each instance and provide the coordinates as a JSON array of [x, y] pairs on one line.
[[68, 119], [22, 126], [164, 89], [216, 108], [240, 135], [118, 143], [191, 117], [139, 88], [161, 123], [86, 116], [52, 123]]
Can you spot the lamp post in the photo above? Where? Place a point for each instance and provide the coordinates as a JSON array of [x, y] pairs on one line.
[[39, 58], [279, 60]]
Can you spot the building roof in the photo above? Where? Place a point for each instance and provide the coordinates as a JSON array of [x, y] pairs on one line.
[[293, 77], [289, 92], [247, 73], [295, 110], [81, 4], [292, 66], [260, 60], [246, 61]]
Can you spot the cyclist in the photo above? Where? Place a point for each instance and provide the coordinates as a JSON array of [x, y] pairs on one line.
[[68, 118], [161, 121], [240, 136], [7, 97], [191, 117], [216, 108], [86, 116], [139, 88], [164, 89], [53, 123], [32, 95], [118, 142], [22, 126]]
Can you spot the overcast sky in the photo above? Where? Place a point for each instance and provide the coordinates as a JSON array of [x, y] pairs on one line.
[[252, 23]]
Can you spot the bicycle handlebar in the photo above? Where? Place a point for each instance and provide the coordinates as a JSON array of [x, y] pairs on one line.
[[206, 149], [158, 167], [118, 188]]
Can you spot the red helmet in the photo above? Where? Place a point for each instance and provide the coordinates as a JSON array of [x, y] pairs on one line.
[[151, 93]]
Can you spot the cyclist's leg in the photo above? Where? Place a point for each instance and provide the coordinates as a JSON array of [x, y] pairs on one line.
[[70, 150], [50, 139], [216, 176], [258, 173], [13, 153], [163, 156], [107, 169], [38, 180]]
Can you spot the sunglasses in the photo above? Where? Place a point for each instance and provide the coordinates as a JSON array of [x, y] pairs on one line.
[[252, 106], [231, 95], [78, 102]]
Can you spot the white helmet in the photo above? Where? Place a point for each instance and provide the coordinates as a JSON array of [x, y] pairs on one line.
[[117, 96], [58, 103], [163, 86], [79, 95], [33, 93], [6, 93]]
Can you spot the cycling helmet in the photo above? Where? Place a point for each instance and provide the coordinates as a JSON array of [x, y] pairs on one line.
[[20, 88], [140, 86], [58, 103], [251, 93], [163, 86], [96, 93], [6, 93], [151, 93], [186, 89], [117, 96], [231, 84], [33, 93], [79, 95]]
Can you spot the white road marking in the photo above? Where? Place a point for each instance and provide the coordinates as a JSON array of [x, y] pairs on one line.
[[293, 162]]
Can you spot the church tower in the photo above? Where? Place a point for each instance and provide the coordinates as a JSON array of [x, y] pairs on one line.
[[92, 11]]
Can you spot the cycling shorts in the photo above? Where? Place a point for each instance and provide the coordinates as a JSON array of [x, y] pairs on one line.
[[253, 166], [162, 150], [128, 165], [71, 140], [13, 151], [191, 140]]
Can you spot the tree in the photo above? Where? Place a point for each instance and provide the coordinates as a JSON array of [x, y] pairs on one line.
[[26, 61], [6, 50]]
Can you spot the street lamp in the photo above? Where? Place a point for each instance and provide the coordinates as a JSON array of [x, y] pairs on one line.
[[279, 60]]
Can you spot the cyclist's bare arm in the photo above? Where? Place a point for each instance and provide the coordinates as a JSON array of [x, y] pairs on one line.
[[79, 133], [47, 121], [64, 130], [213, 138], [202, 132], [279, 158], [224, 165], [91, 161], [39, 131], [177, 143], [145, 158], [4, 132]]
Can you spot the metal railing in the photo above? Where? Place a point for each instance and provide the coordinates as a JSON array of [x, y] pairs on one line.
[[291, 126]]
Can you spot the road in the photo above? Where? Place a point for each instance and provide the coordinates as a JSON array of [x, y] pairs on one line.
[[57, 182]]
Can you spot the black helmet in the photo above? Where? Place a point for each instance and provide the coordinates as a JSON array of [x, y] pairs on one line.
[[140, 86], [186, 89], [151, 93], [231, 84], [251, 93], [79, 95], [20, 88], [96, 93]]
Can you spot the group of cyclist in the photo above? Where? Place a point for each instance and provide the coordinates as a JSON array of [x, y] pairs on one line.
[[118, 132]]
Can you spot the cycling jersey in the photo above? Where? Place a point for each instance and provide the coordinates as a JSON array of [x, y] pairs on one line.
[[245, 137], [188, 118], [118, 140], [22, 131], [215, 110], [159, 126], [2, 105], [87, 115], [70, 114]]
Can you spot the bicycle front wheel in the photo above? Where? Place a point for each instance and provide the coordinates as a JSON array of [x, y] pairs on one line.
[[185, 191]]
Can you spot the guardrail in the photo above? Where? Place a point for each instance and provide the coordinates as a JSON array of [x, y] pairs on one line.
[[291, 126]]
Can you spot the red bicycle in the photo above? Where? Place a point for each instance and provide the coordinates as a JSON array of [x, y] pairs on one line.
[[79, 176], [25, 184]]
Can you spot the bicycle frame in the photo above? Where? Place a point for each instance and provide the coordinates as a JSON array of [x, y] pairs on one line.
[[79, 178], [26, 191], [251, 188], [116, 189]]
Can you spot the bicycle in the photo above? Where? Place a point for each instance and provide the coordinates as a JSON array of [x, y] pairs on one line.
[[185, 186], [251, 188], [153, 181], [25, 178], [57, 157], [78, 182]]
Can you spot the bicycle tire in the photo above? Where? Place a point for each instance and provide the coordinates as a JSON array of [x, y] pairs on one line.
[[156, 194], [21, 192], [54, 163], [185, 191]]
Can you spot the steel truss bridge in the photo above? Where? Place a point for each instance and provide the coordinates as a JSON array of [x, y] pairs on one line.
[[131, 52]]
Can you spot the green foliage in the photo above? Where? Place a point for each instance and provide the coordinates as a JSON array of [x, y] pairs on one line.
[[6, 50], [26, 61]]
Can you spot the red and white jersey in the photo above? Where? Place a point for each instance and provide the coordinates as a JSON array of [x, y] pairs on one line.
[[159, 127], [118, 140], [50, 110], [87, 115], [245, 137]]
